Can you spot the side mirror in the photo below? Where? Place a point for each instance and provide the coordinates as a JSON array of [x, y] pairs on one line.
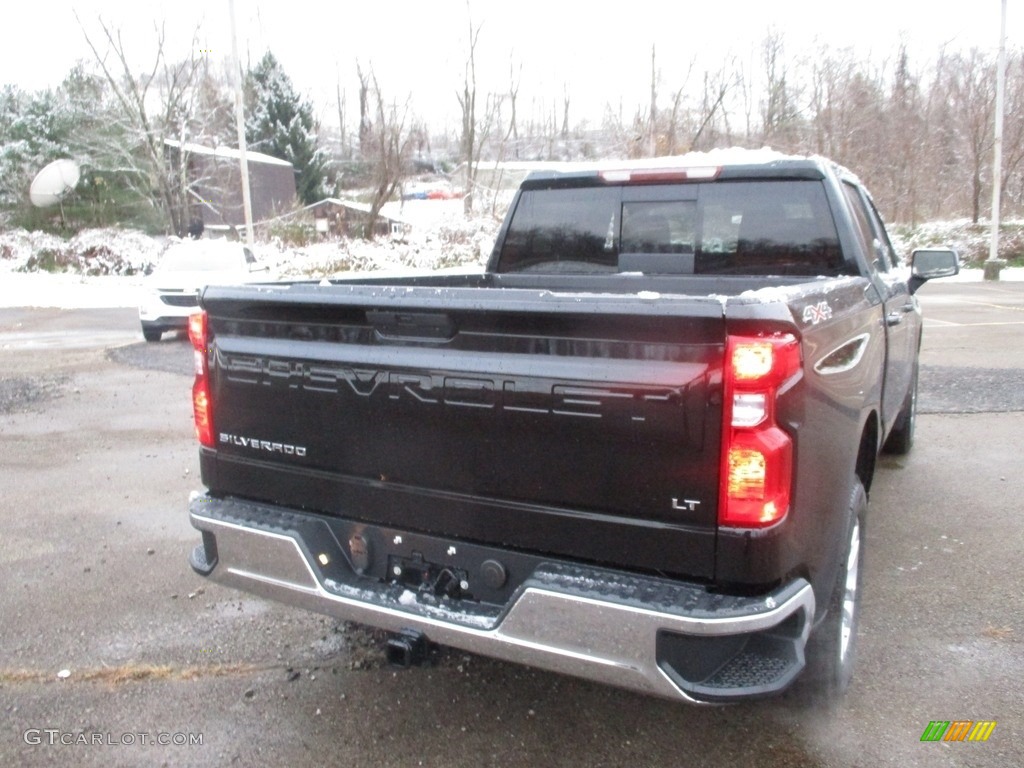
[[929, 263]]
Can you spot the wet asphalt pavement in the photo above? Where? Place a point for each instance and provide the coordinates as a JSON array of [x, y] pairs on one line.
[[97, 459]]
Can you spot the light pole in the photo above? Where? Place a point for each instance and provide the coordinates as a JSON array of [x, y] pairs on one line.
[[240, 125], [994, 264]]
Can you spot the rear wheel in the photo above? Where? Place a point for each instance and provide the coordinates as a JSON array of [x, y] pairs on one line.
[[831, 649], [901, 439]]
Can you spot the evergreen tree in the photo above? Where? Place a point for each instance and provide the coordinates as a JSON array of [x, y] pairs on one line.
[[281, 124], [35, 128]]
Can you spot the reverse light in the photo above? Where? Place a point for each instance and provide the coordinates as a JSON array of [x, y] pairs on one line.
[[202, 402], [749, 410], [757, 455]]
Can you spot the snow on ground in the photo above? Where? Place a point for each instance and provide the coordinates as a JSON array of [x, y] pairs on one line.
[[65, 291], [107, 267]]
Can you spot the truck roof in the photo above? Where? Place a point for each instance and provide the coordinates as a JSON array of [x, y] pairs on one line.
[[733, 162]]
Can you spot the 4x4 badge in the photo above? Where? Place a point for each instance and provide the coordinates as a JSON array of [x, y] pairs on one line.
[[815, 313]]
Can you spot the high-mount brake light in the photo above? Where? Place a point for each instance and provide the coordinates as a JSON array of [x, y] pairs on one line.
[[202, 402], [660, 175], [757, 455]]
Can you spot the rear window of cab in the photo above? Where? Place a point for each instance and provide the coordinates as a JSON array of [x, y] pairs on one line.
[[724, 227]]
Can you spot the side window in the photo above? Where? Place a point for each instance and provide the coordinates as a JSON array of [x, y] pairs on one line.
[[883, 238], [862, 223]]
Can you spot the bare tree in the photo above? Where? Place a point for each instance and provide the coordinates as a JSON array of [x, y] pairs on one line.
[[716, 87], [828, 75], [970, 85], [341, 116], [510, 136], [385, 144], [513, 95], [652, 115], [148, 121], [551, 129], [471, 139], [906, 137], [565, 111], [676, 113], [671, 133], [1013, 132], [365, 118], [778, 111]]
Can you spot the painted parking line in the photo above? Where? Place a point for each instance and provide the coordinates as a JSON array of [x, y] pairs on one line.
[[993, 306], [934, 323]]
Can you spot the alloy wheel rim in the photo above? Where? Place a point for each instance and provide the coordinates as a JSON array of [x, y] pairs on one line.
[[849, 619], [913, 408]]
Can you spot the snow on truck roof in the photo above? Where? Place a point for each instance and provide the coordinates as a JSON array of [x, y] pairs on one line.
[[697, 163]]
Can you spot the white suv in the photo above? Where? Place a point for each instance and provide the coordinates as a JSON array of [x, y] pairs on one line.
[[171, 293]]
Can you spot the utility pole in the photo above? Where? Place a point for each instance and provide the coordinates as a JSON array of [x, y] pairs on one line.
[[994, 264], [240, 124]]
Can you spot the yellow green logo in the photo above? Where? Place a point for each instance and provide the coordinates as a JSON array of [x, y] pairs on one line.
[[958, 730]]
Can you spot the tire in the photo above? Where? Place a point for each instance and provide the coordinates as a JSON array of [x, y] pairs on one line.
[[832, 648], [901, 439], [151, 334]]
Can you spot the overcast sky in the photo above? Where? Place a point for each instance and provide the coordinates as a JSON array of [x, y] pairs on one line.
[[599, 53]]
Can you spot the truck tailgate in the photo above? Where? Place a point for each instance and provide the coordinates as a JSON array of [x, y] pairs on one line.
[[581, 426]]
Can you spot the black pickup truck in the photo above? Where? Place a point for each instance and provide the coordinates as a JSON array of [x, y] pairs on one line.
[[636, 448]]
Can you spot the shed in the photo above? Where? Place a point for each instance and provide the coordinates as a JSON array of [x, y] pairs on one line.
[[335, 217], [215, 188]]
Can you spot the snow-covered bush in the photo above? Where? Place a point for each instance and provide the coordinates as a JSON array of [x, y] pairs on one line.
[[108, 251], [969, 240]]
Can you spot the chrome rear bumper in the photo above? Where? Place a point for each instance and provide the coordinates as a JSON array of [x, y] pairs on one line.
[[645, 634]]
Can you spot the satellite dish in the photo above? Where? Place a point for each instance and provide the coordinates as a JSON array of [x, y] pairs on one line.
[[53, 183]]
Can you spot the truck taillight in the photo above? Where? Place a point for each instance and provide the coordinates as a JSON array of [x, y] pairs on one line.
[[202, 403], [757, 455]]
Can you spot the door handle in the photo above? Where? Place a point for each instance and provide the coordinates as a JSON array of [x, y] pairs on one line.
[[894, 318], [909, 307]]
